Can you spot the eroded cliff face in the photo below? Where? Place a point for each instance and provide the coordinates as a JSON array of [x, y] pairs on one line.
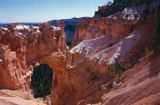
[[88, 72], [69, 27], [112, 61], [22, 47], [97, 27], [11, 69], [140, 84], [111, 53], [73, 84]]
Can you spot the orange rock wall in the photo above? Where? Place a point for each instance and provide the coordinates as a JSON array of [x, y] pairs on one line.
[[96, 27], [22, 48]]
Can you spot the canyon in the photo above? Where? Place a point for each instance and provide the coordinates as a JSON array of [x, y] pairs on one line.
[[113, 59]]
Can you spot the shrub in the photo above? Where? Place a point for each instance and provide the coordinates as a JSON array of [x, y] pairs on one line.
[[110, 86], [115, 69], [119, 5], [93, 75], [156, 38], [112, 70]]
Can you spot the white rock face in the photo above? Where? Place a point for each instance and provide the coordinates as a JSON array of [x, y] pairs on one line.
[[105, 49], [115, 55], [88, 47], [80, 47], [122, 48]]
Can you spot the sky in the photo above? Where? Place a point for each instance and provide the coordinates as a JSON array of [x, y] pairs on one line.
[[45, 10]]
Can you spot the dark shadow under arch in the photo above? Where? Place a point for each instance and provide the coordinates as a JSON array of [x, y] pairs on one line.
[[41, 80]]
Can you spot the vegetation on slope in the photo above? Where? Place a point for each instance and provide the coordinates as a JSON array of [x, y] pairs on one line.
[[119, 5], [41, 80]]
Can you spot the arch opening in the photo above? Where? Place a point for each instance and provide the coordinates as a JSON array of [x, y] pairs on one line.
[[41, 80]]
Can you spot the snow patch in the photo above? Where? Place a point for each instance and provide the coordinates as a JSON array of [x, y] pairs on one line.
[[100, 58], [112, 60], [35, 27], [18, 34], [37, 31], [87, 46], [83, 46], [56, 28], [4, 28], [68, 48], [70, 66], [22, 27], [130, 14], [124, 47]]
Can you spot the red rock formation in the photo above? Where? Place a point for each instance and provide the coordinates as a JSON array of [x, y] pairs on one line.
[[120, 48], [11, 71], [96, 27], [103, 67], [72, 84], [97, 52], [83, 78], [24, 46], [140, 85]]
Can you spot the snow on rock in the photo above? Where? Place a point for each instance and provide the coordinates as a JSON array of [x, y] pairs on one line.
[[88, 47], [35, 27], [38, 31], [56, 28], [130, 14], [115, 55], [85, 46], [133, 13], [80, 47], [22, 27], [125, 46], [120, 49], [18, 33], [4, 28], [70, 66]]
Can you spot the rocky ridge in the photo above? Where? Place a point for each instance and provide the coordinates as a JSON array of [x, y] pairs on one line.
[[22, 47]]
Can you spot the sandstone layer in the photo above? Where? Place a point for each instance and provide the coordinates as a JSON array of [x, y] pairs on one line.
[[22, 47]]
